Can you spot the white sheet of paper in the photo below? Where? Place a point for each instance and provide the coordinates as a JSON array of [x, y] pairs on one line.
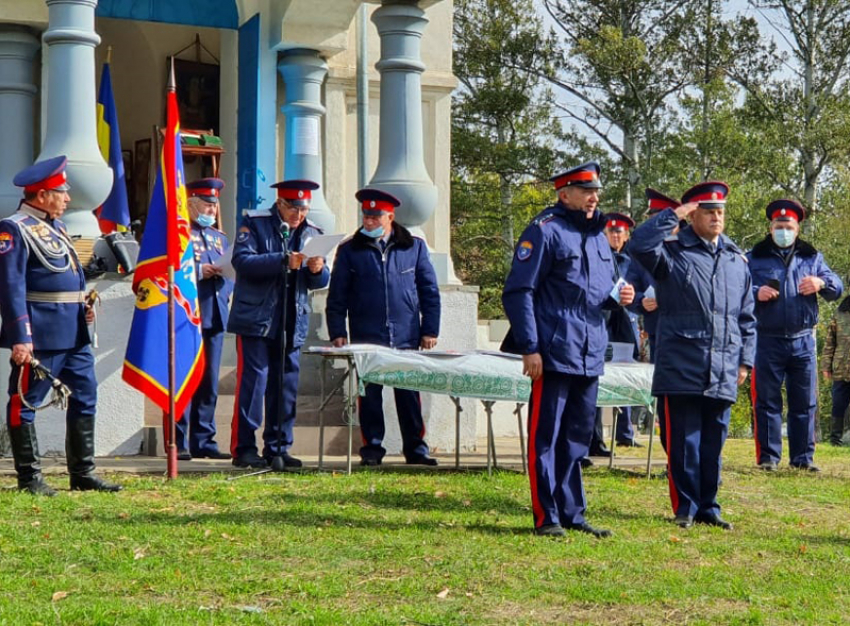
[[225, 262], [615, 292], [650, 292], [320, 245]]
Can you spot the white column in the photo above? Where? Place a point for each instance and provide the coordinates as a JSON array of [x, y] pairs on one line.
[[17, 95], [71, 127], [303, 73], [401, 167]]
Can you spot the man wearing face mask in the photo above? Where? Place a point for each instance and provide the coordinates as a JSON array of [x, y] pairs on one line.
[[561, 280], [270, 316], [384, 283], [706, 342], [196, 430], [788, 274]]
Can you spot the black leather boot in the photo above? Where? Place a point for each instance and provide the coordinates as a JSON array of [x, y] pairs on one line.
[[836, 432], [25, 451], [79, 450]]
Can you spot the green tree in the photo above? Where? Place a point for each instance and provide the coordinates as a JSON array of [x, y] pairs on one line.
[[503, 133]]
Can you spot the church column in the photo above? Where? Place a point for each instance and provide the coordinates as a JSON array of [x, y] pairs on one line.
[[18, 47], [401, 161], [71, 117], [303, 73]]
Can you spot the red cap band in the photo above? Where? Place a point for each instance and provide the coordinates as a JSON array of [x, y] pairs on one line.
[[203, 192], [57, 180], [785, 213], [373, 206], [293, 194], [617, 224], [583, 176], [712, 196]]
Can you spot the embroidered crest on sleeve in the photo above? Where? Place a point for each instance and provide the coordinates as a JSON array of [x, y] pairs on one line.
[[7, 242], [523, 250]]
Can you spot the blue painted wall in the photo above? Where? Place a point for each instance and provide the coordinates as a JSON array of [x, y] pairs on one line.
[[212, 13]]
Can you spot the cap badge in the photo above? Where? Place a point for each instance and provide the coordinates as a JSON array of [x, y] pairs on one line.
[[714, 195], [782, 212], [300, 193], [372, 204]]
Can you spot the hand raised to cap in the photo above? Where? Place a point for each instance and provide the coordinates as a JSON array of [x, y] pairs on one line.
[[685, 210]]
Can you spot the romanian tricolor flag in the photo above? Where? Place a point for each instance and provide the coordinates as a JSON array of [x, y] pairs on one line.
[[166, 244], [114, 213]]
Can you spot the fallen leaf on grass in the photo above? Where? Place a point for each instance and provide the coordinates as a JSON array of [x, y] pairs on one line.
[[440, 494], [123, 515], [250, 609], [443, 594], [138, 553], [803, 549], [35, 524], [59, 595], [674, 539]]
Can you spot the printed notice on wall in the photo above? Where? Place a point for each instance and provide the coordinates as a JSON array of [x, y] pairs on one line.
[[306, 131]]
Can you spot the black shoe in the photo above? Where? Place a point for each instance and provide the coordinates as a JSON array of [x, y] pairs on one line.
[[586, 462], [90, 482], [211, 454], [421, 460], [550, 530], [584, 527], [37, 487], [807, 467], [683, 521], [600, 451], [250, 460], [713, 520], [290, 461], [630, 444], [370, 462], [767, 466], [183, 455]]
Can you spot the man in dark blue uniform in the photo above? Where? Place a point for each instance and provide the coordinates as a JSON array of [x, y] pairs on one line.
[[384, 283], [788, 274], [196, 431], [706, 342], [271, 315], [45, 317], [561, 278]]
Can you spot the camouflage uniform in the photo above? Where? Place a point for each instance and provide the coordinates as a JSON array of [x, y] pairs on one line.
[[836, 361]]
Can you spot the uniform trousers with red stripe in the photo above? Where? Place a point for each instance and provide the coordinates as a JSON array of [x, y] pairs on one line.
[[408, 405], [74, 367], [696, 429], [790, 360], [258, 392], [562, 410]]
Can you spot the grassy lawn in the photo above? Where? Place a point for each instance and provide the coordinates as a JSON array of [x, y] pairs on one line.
[[426, 547]]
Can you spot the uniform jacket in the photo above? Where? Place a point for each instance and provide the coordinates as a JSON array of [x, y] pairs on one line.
[[260, 263], [836, 350], [792, 314], [30, 242], [213, 293], [390, 298], [622, 322], [560, 281], [706, 325], [641, 280]]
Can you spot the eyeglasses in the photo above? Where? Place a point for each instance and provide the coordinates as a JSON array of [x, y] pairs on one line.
[[292, 207]]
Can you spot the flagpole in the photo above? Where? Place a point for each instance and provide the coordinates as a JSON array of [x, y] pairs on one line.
[[172, 367]]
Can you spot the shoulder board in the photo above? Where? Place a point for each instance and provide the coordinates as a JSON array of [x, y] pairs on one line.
[[316, 226], [542, 219], [671, 238], [744, 256], [257, 213], [17, 217]]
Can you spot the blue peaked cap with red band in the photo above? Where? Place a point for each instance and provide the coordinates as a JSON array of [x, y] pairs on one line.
[[585, 175], [709, 195], [375, 201], [207, 189], [785, 210], [47, 174], [658, 201], [296, 191], [618, 220]]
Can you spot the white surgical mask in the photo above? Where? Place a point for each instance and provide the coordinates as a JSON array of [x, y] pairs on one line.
[[783, 237], [375, 233], [206, 220]]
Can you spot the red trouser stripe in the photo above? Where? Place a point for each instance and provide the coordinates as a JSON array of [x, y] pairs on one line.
[[234, 424], [674, 495], [536, 395], [16, 403], [754, 398]]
